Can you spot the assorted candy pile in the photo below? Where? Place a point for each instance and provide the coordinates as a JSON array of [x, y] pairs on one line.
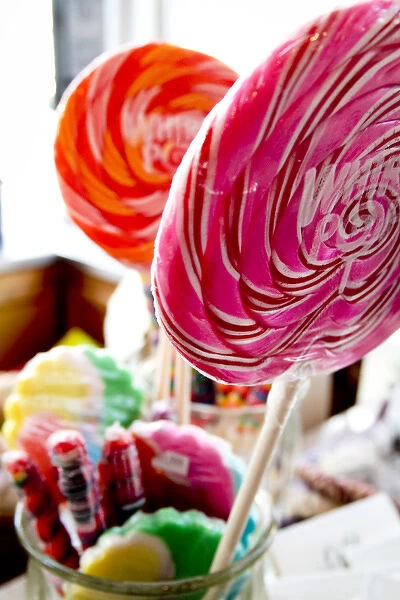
[[159, 493]]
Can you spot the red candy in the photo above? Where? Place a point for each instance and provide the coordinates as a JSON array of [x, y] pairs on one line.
[[40, 503]]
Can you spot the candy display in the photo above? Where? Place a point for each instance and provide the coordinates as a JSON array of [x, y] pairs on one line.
[[241, 395], [81, 385], [284, 234], [125, 124], [157, 546], [78, 484], [185, 467], [152, 547], [121, 476], [39, 502]]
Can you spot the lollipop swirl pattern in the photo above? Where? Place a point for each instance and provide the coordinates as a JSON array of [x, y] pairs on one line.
[[283, 223], [125, 124]]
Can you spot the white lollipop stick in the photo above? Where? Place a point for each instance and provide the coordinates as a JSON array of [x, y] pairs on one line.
[[164, 367], [280, 401], [182, 385]]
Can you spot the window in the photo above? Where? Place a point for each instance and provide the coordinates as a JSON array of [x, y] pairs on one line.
[[240, 32]]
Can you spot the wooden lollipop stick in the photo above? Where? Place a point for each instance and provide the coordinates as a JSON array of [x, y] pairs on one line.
[[182, 383], [164, 367], [280, 401]]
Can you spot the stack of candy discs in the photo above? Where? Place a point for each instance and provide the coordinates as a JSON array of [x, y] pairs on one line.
[[80, 385], [158, 546]]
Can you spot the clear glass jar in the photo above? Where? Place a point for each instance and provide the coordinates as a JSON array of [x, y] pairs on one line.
[[242, 580]]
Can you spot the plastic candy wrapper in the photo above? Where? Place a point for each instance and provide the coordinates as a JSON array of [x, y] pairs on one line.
[[185, 467], [32, 437], [283, 233], [120, 475], [82, 386], [39, 502], [125, 123], [78, 483]]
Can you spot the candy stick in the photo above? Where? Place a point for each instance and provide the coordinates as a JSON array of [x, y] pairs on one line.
[[182, 389], [338, 488], [164, 368], [78, 484], [281, 398], [120, 469], [39, 502]]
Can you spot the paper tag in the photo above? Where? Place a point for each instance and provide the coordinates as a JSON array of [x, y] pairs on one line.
[[338, 585], [319, 543], [381, 552], [172, 463]]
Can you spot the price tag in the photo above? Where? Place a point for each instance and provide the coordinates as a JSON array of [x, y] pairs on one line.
[[172, 463]]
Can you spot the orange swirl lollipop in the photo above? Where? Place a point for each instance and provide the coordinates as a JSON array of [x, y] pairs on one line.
[[125, 124]]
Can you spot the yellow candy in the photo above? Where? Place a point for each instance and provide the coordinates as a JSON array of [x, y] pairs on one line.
[[131, 557], [59, 382]]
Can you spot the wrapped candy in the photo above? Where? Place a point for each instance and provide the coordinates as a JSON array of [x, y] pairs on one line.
[[32, 437], [39, 502], [78, 483], [120, 475]]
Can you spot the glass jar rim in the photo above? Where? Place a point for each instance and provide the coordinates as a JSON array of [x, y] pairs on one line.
[[145, 589]]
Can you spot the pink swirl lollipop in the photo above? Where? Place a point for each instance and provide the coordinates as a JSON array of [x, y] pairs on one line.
[[283, 223]]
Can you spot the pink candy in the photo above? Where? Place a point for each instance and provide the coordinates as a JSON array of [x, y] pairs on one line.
[[278, 251]]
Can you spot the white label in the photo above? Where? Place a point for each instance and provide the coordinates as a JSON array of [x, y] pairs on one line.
[[320, 543], [382, 553], [338, 585], [172, 463]]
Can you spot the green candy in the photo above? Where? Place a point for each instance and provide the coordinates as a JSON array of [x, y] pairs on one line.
[[122, 401]]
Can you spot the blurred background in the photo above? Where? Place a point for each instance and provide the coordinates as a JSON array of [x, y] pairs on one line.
[[52, 278]]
